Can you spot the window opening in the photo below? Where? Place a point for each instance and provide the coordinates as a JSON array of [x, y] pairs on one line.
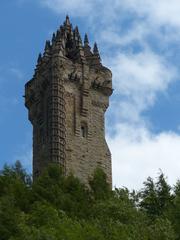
[[83, 131]]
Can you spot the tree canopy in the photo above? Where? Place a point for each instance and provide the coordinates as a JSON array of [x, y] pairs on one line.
[[58, 207]]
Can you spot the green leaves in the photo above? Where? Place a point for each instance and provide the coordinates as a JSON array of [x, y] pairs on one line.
[[162, 229], [99, 186], [156, 198], [55, 207]]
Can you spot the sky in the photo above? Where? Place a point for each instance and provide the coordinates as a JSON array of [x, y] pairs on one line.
[[139, 40]]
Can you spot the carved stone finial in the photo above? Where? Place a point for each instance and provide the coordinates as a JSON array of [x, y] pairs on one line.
[[95, 49], [47, 50], [53, 37], [39, 61], [76, 33], [86, 40], [47, 46], [67, 21], [58, 34], [39, 58], [96, 57], [80, 41]]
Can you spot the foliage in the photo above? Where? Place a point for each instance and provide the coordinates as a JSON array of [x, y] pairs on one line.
[[156, 197], [55, 207]]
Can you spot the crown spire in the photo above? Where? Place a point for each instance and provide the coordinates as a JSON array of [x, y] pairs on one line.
[[53, 37], [67, 21], [47, 49], [39, 58], [96, 54], [95, 49], [86, 40], [47, 46], [76, 33]]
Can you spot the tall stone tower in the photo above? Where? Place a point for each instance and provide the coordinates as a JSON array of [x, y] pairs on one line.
[[67, 98]]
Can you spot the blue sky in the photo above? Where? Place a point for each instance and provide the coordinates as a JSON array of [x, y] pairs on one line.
[[139, 41]]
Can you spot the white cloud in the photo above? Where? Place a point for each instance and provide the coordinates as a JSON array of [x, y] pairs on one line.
[[114, 35], [144, 71], [160, 12], [107, 16], [138, 78], [138, 154]]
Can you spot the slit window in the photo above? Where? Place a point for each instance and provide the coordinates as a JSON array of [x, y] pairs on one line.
[[83, 131]]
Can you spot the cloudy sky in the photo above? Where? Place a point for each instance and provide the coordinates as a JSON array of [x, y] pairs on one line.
[[139, 41]]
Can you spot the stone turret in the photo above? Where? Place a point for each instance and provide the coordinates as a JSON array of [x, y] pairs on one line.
[[67, 98]]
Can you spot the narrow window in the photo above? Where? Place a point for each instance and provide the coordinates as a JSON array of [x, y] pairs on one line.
[[84, 131]]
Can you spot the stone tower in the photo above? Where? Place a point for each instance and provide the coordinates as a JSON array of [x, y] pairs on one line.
[[67, 99]]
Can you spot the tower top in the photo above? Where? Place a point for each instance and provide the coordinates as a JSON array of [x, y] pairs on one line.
[[67, 43]]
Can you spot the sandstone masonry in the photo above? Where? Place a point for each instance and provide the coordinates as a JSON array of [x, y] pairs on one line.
[[67, 98]]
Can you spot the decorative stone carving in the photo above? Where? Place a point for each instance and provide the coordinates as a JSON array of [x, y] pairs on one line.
[[74, 77]]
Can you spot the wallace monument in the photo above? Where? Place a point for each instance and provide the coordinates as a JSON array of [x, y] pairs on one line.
[[67, 99]]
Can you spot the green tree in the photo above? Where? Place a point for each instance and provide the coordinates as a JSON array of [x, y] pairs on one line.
[[56, 207], [156, 198], [164, 196], [162, 229], [65, 193], [149, 202], [175, 211], [99, 186]]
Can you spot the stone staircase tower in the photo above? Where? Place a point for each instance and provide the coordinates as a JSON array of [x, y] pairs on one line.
[[67, 99]]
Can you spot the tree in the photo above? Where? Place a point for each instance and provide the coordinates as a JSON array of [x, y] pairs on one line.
[[175, 211], [57, 207], [99, 186], [156, 198], [149, 201]]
